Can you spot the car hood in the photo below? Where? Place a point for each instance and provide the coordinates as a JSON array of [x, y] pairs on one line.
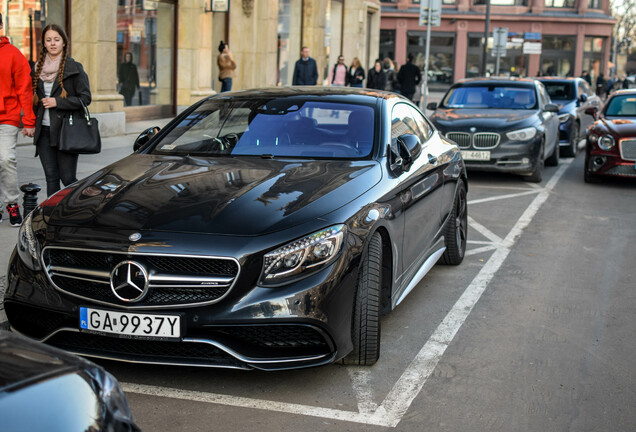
[[232, 196], [480, 118], [619, 127], [566, 106]]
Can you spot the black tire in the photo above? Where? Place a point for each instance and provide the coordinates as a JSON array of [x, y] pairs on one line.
[[456, 229], [573, 148], [537, 174], [553, 159], [365, 326]]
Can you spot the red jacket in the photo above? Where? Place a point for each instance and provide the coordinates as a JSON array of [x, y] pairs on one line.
[[16, 91]]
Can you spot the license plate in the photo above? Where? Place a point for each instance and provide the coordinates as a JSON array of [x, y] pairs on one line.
[[130, 324], [476, 155]]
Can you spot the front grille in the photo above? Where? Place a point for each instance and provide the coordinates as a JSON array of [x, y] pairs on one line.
[[151, 351], [36, 322], [485, 140], [622, 170], [461, 138], [628, 149], [174, 280]]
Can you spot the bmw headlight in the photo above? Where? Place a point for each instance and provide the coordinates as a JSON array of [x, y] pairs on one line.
[[305, 255], [563, 118], [522, 134], [28, 246], [606, 142]]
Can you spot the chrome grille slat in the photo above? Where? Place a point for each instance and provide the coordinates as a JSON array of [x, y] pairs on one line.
[[628, 149], [461, 138], [486, 140], [184, 280]]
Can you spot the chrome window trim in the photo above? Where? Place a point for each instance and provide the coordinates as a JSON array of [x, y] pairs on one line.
[[47, 271]]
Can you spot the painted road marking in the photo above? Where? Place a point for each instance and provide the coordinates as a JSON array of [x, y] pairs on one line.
[[408, 386]]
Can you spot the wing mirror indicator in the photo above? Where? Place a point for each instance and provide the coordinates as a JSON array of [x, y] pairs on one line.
[[144, 138]]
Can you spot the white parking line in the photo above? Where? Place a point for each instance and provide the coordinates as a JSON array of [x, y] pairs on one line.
[[494, 238], [502, 197], [399, 399]]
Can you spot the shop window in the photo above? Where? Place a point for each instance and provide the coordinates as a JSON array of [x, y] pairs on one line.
[[441, 60], [387, 44], [560, 3], [502, 2], [594, 4], [145, 31], [288, 39], [557, 56]]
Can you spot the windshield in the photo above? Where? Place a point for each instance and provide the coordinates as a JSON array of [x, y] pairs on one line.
[[560, 90], [623, 106], [490, 96], [285, 127]]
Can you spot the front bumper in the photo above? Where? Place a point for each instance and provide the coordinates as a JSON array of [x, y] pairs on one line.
[[608, 163], [508, 157], [306, 323]]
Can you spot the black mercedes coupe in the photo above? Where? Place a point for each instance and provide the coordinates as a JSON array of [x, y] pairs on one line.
[[261, 229], [501, 124]]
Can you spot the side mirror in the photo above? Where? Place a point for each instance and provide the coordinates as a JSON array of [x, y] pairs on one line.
[[410, 148], [145, 137], [431, 106], [550, 107], [593, 111], [583, 97]]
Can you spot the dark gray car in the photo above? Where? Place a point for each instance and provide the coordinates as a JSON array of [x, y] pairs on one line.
[[501, 124]]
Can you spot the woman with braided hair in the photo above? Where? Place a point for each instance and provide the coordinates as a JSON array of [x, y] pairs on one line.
[[59, 83]]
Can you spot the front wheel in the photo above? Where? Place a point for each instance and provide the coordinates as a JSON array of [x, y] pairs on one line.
[[456, 230], [537, 174], [573, 147], [553, 160], [365, 326]]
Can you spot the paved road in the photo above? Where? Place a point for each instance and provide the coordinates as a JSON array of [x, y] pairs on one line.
[[534, 331]]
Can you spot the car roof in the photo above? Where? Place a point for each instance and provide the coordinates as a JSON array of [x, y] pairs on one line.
[[624, 92], [496, 80], [311, 91], [558, 79]]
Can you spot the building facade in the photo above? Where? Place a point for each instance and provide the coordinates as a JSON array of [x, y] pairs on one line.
[[173, 45], [567, 37]]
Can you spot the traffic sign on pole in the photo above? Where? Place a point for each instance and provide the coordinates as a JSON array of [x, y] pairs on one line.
[[435, 12]]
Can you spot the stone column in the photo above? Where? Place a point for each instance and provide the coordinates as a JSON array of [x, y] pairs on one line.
[[195, 53], [94, 45]]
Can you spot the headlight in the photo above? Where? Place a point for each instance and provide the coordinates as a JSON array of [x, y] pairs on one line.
[[305, 255], [563, 118], [522, 134], [28, 246], [592, 137], [606, 142]]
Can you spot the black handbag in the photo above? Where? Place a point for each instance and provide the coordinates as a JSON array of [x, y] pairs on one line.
[[80, 133]]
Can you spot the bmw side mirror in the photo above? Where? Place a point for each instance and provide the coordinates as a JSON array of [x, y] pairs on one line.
[[550, 107], [583, 97], [431, 106], [145, 137]]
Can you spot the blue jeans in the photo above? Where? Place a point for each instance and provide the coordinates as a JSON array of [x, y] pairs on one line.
[[226, 84], [57, 165]]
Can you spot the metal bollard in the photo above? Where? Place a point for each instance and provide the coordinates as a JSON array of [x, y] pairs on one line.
[[30, 199]]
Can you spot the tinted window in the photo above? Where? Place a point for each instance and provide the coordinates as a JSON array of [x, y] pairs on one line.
[[491, 96], [560, 90], [402, 122], [424, 128], [287, 127], [623, 106]]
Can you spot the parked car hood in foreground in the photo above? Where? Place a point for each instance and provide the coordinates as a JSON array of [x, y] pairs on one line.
[[485, 118], [227, 196], [619, 127]]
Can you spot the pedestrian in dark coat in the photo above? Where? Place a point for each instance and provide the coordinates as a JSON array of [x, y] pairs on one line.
[[60, 85], [356, 73], [305, 70], [409, 77], [376, 78], [128, 78], [392, 83]]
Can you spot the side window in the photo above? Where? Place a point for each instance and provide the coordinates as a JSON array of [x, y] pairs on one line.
[[402, 121], [425, 129]]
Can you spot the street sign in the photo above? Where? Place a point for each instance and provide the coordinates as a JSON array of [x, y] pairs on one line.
[[500, 39], [532, 36], [436, 12]]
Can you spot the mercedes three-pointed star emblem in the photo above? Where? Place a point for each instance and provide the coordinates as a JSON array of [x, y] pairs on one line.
[[129, 281]]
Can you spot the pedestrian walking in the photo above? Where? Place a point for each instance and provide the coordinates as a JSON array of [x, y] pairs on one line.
[[625, 82], [227, 66], [392, 83], [60, 85], [338, 75], [376, 78], [305, 70], [409, 77], [356, 73], [587, 77], [15, 97], [600, 85], [128, 77]]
